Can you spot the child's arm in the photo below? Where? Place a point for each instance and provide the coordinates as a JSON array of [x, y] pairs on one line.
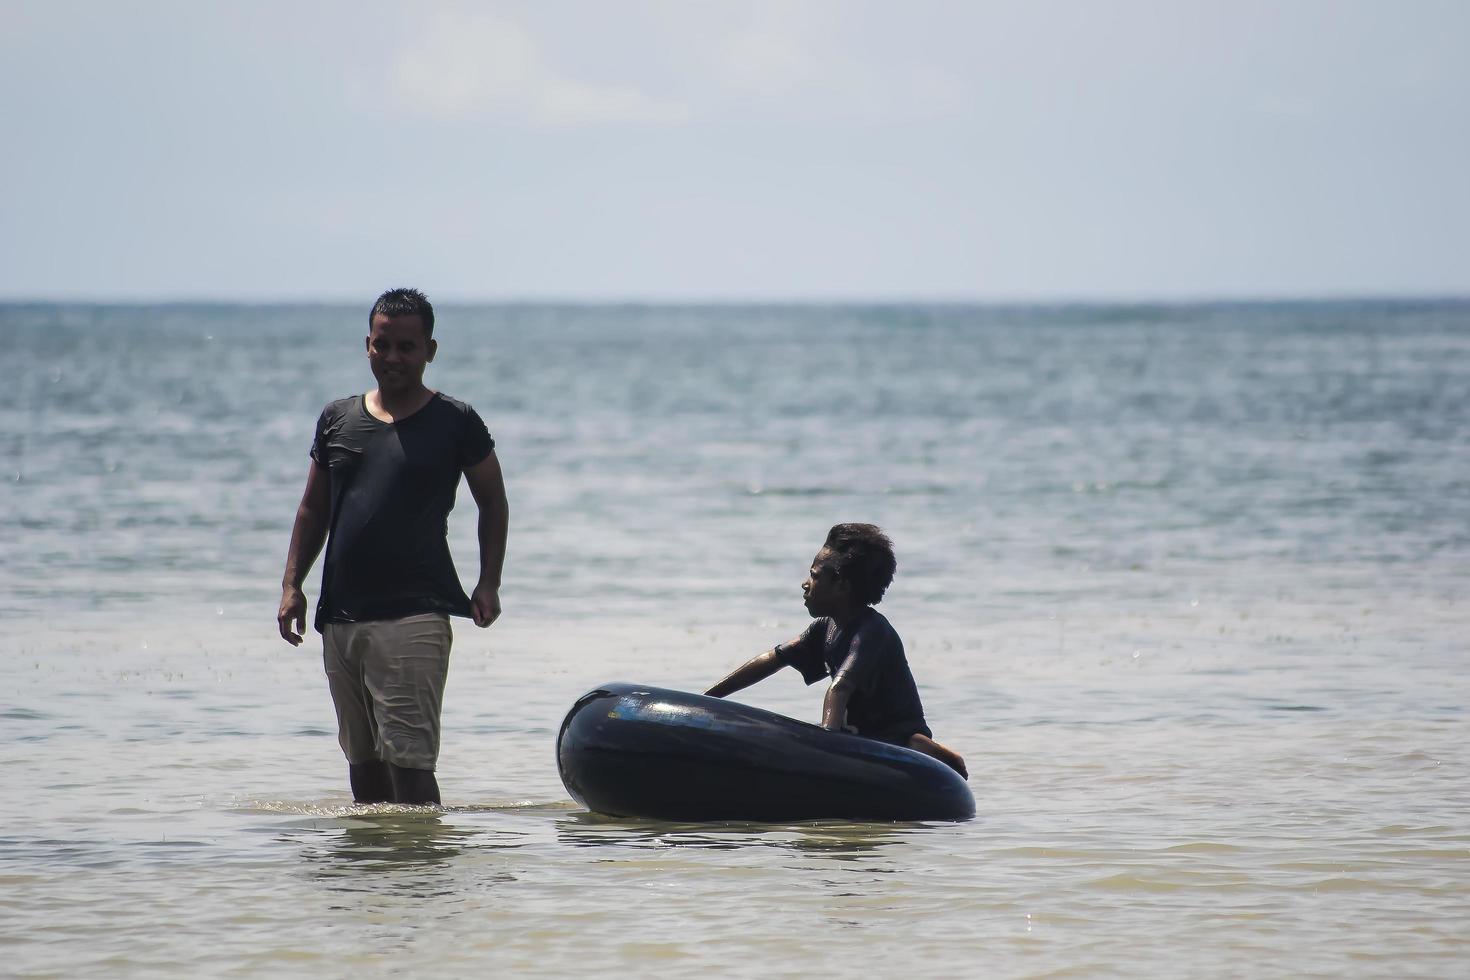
[[860, 662], [834, 705], [753, 670], [945, 754]]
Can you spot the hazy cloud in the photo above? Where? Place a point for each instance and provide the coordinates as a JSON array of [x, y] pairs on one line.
[[481, 63], [807, 58]]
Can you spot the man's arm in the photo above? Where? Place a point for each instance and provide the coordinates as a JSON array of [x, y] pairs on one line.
[[487, 484], [308, 535], [753, 670]]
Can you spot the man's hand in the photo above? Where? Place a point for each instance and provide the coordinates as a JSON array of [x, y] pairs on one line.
[[293, 610], [485, 605]]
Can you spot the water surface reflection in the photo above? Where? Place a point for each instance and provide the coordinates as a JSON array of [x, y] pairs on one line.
[[405, 849], [840, 840]]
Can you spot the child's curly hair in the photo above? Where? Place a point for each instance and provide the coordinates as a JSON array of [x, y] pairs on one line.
[[862, 556]]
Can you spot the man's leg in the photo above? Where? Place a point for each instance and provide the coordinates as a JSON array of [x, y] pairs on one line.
[[406, 671], [343, 645], [371, 781], [416, 787]]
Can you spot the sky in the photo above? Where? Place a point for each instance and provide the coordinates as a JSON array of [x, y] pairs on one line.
[[691, 150]]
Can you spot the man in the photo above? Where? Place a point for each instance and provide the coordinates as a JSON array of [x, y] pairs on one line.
[[384, 470]]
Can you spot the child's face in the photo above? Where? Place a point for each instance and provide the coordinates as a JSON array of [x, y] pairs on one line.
[[825, 593]]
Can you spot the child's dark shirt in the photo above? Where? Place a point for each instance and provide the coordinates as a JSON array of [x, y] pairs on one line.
[[885, 701]]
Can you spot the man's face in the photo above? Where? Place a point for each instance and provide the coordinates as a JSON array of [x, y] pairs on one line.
[[399, 351], [824, 592]]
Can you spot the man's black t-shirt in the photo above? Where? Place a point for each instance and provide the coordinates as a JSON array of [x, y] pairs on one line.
[[885, 702], [393, 486]]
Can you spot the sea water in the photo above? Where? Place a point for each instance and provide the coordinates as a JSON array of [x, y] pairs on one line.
[[1187, 585]]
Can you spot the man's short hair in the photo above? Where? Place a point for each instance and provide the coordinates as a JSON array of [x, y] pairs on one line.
[[403, 302], [862, 556]]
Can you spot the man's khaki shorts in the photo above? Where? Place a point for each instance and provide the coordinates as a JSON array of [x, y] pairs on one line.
[[387, 680]]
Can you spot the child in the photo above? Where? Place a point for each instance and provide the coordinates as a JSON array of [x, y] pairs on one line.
[[872, 690]]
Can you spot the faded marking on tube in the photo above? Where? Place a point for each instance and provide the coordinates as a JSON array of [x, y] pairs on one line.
[[631, 708]]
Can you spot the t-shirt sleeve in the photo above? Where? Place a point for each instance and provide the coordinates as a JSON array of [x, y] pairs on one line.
[[805, 652], [319, 441], [868, 649], [475, 442]]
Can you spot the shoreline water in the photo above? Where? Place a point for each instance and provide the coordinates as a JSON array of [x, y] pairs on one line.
[[1189, 593]]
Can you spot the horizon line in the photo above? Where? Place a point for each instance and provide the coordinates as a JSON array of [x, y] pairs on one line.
[[1059, 300]]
